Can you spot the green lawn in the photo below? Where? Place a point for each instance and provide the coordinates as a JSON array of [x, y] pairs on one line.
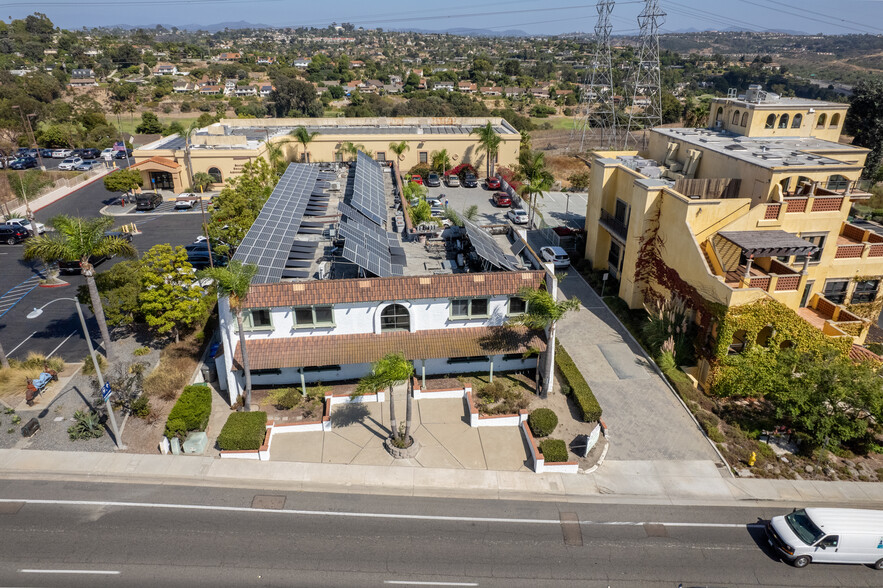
[[558, 122]]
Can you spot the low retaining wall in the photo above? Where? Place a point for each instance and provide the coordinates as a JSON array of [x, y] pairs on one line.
[[539, 462], [262, 454]]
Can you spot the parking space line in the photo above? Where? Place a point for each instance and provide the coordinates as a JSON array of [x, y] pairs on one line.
[[16, 294], [11, 351], [51, 353]]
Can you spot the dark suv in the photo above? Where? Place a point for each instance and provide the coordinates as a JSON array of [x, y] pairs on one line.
[[11, 234], [90, 153], [470, 181], [147, 200], [73, 267]]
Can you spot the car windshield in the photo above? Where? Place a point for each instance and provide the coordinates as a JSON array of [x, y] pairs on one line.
[[803, 527]]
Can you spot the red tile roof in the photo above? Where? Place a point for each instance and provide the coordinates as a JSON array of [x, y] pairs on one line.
[[156, 159], [858, 353], [388, 289], [369, 347]]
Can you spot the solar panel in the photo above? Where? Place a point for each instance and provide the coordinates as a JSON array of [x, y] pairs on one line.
[[367, 244], [369, 196], [487, 248], [270, 238]]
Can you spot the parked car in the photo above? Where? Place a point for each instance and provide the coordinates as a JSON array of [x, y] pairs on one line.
[[557, 256], [61, 153], [24, 163], [453, 180], [502, 200], [517, 216], [90, 153], [26, 225], [22, 152], [122, 154], [70, 163], [470, 181], [417, 179], [199, 259], [11, 235], [107, 153], [73, 267], [828, 535], [433, 180], [186, 201], [85, 165], [147, 200], [119, 234], [492, 183], [437, 211], [46, 153]]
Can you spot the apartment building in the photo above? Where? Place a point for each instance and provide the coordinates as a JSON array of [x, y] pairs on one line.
[[755, 207]]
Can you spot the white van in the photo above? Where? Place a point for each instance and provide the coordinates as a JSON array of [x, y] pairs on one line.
[[829, 535]]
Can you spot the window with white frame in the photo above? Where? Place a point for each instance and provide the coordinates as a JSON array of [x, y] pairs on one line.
[[316, 315], [469, 308]]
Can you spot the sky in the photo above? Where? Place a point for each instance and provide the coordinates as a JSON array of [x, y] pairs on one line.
[[545, 17]]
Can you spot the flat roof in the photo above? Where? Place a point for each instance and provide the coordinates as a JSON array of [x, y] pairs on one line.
[[766, 152], [783, 101]]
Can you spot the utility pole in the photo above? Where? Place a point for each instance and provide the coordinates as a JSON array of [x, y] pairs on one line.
[[644, 79], [29, 131], [596, 114]]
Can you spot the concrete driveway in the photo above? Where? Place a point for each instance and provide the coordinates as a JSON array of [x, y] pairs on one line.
[[646, 420]]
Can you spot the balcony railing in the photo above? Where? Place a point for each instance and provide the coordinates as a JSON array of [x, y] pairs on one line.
[[855, 242], [614, 225]]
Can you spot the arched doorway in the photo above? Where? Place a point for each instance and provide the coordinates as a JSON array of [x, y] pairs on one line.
[[395, 317]]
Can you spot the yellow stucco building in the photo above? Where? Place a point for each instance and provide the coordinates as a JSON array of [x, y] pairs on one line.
[[222, 149], [742, 211]]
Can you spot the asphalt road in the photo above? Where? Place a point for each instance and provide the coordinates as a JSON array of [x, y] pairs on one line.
[[93, 535], [58, 330]]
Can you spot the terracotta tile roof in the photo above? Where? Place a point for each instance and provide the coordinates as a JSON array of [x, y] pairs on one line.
[[164, 161], [369, 347], [388, 289], [858, 353]]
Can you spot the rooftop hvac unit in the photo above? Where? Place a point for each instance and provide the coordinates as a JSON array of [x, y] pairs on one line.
[[333, 186], [323, 270]]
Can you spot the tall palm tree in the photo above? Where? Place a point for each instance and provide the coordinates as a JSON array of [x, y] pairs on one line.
[[304, 137], [234, 282], [387, 372], [537, 179], [544, 312], [399, 149], [441, 160], [79, 239], [489, 142], [4, 362]]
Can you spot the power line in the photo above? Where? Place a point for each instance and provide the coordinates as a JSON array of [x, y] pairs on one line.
[[597, 108], [644, 78]]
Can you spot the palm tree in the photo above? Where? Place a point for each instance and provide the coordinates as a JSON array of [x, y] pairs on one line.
[[399, 149], [234, 282], [537, 179], [489, 142], [441, 161], [304, 137], [544, 312], [187, 134], [350, 150], [387, 372], [4, 362], [80, 239]]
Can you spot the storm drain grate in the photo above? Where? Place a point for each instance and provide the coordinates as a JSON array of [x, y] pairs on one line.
[[267, 501]]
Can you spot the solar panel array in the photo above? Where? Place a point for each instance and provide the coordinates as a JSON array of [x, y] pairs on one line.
[[487, 248], [368, 189], [369, 245], [270, 238]]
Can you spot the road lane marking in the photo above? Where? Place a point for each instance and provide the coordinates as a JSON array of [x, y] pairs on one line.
[[11, 351], [104, 572], [365, 515], [51, 353], [409, 583], [17, 293]]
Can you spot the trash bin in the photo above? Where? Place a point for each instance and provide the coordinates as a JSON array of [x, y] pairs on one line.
[[31, 427]]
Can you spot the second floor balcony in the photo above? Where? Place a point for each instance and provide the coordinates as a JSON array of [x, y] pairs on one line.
[[615, 226]]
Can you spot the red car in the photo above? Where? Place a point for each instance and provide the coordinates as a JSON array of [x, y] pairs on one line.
[[502, 200], [492, 183], [417, 179]]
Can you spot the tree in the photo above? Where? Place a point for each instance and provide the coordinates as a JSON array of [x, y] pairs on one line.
[[386, 373], [579, 182], [119, 288], [170, 298], [122, 180], [78, 239], [671, 108], [544, 312], [489, 142], [399, 149], [537, 179], [4, 362], [293, 97], [349, 150], [233, 283], [27, 185], [695, 114], [441, 161], [865, 122], [304, 137], [237, 206], [149, 124]]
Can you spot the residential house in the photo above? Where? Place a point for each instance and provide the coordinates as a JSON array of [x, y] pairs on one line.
[[356, 64], [468, 87], [209, 90], [228, 57], [245, 91], [266, 60], [230, 87], [491, 91], [165, 69], [513, 92], [301, 63], [183, 87], [539, 92], [264, 90], [82, 73]]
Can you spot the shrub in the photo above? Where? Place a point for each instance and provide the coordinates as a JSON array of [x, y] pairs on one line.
[[582, 395], [542, 422], [191, 412], [89, 367], [140, 407], [285, 398], [243, 431], [554, 450], [317, 392], [39, 361], [87, 425], [666, 361], [141, 351]]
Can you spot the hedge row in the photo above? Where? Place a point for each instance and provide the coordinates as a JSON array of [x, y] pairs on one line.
[[191, 412], [582, 395], [243, 431], [554, 450]]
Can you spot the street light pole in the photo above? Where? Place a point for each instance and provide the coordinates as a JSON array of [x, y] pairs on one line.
[[113, 422]]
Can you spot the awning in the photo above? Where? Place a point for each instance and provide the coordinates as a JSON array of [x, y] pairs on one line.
[[769, 243]]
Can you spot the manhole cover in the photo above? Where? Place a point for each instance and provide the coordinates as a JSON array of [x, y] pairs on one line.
[[270, 502]]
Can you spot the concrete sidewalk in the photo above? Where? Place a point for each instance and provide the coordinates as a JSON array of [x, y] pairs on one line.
[[59, 193], [631, 482]]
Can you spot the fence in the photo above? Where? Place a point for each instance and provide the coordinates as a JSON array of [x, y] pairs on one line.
[[11, 203]]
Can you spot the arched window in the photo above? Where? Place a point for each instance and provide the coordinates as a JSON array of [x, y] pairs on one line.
[[720, 114], [763, 337], [837, 182], [395, 317], [771, 121], [783, 122], [744, 119], [798, 120], [823, 118], [215, 173], [738, 344], [835, 120], [736, 117]]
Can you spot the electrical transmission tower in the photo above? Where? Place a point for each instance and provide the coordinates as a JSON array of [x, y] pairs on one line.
[[596, 116], [644, 81]]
